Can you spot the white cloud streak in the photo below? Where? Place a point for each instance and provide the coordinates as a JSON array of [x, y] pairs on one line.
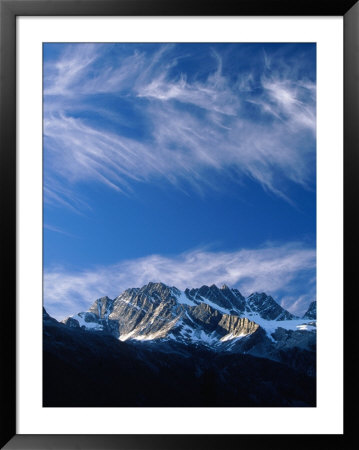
[[183, 143], [274, 270]]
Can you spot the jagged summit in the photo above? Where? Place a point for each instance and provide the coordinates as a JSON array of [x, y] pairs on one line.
[[311, 312], [267, 307]]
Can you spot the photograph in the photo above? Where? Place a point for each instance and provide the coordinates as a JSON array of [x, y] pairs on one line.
[[179, 224], [179, 211]]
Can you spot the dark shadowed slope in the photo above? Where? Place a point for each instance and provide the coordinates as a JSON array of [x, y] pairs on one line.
[[87, 368]]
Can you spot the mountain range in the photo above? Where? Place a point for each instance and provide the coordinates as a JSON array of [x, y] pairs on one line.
[[208, 337]]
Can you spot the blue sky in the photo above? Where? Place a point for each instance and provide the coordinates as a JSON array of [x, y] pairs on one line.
[[189, 164]]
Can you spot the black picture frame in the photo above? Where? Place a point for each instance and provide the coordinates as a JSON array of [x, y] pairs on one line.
[[9, 10]]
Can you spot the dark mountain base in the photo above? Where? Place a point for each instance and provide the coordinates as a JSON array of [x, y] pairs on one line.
[[85, 369]]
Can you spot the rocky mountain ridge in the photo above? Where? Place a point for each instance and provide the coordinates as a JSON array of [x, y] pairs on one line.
[[220, 319]]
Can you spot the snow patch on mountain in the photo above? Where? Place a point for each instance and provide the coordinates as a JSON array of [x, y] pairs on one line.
[[231, 336], [215, 306], [80, 317], [271, 325], [182, 298]]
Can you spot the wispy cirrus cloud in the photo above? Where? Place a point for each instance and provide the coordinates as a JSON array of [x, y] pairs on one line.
[[215, 94], [284, 271], [260, 125], [63, 75]]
